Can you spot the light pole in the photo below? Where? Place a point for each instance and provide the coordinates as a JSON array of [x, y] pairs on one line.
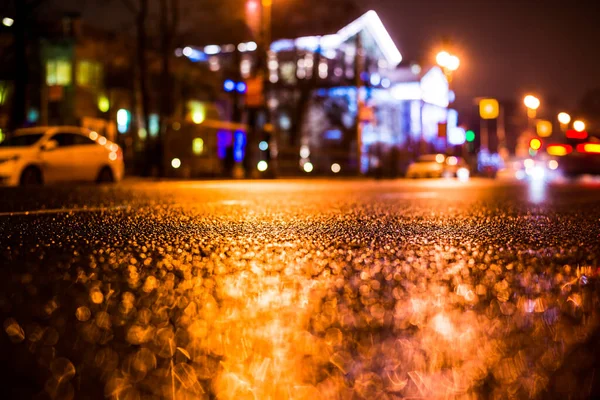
[[532, 103], [564, 119], [266, 24], [449, 64]]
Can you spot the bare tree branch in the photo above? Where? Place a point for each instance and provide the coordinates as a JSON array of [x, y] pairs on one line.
[[174, 16], [129, 4]]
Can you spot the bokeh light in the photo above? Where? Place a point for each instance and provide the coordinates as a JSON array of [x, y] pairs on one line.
[[262, 166], [579, 126], [564, 118]]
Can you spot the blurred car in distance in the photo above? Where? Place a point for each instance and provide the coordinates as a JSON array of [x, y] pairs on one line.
[[438, 166], [40, 155], [531, 169]]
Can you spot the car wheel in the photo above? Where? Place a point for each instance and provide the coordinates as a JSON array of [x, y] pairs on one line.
[[105, 176], [31, 176]]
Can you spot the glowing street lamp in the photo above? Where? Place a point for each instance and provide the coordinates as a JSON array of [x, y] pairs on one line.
[[564, 118], [453, 63], [448, 62], [531, 102], [443, 58], [579, 126]]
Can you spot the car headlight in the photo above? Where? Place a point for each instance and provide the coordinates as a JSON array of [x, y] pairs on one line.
[[13, 158], [463, 174]]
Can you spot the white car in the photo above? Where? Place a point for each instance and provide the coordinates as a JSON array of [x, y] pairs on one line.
[[35, 156], [438, 166]]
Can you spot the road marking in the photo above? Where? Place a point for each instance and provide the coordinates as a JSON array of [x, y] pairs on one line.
[[61, 211]]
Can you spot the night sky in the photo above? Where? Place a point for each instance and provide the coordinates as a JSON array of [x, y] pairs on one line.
[[507, 47]]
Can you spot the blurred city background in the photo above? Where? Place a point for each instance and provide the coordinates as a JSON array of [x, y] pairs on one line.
[[263, 88], [203, 277]]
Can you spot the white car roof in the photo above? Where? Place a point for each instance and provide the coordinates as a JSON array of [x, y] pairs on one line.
[[46, 129]]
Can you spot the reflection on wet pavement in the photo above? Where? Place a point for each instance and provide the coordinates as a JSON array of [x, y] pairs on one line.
[[343, 296]]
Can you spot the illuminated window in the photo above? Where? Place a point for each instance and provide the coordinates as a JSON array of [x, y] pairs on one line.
[[198, 146], [89, 74], [3, 92], [197, 111], [154, 125], [58, 73]]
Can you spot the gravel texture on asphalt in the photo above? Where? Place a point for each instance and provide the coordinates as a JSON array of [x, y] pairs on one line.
[[300, 290]]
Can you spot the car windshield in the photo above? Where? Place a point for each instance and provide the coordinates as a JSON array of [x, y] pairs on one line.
[[22, 140]]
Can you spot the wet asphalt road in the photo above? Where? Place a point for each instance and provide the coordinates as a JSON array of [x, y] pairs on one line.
[[300, 289]]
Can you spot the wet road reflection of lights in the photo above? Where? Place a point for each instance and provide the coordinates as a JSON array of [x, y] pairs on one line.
[[537, 186], [315, 289]]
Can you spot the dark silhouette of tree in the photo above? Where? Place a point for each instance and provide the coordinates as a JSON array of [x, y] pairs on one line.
[[308, 18], [24, 11]]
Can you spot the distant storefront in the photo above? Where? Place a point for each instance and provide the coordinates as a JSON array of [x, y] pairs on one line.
[[315, 105]]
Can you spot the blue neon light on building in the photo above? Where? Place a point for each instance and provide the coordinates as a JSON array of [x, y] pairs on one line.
[[239, 146], [241, 87], [224, 140], [229, 85]]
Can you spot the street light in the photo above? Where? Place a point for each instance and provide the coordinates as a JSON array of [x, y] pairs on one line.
[[442, 58], [8, 22], [453, 63], [579, 126], [564, 118], [448, 62], [532, 103]]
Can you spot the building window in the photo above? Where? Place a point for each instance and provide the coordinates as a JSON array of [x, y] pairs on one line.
[[198, 146], [3, 92], [89, 74], [58, 73], [154, 125]]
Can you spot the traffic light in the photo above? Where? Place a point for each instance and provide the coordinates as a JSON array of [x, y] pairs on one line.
[[470, 136], [535, 144]]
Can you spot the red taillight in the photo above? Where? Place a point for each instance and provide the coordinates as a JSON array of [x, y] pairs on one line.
[[593, 148], [573, 134], [559, 149]]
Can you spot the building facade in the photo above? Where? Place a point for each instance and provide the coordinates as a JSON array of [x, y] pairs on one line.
[[334, 103]]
